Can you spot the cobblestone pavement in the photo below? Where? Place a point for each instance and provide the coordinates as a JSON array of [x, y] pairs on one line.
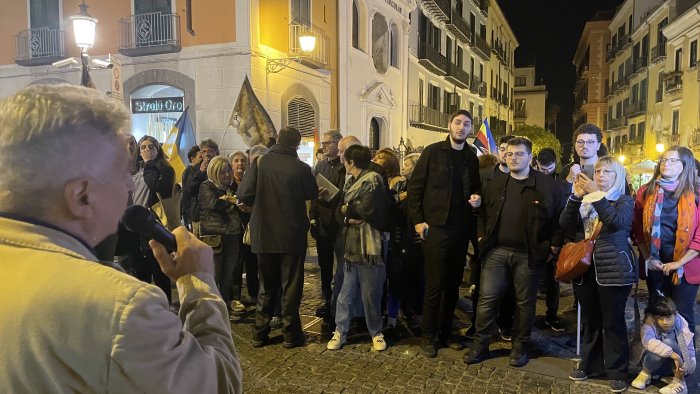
[[356, 368]]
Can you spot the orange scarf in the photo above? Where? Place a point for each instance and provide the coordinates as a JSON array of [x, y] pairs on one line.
[[686, 218]]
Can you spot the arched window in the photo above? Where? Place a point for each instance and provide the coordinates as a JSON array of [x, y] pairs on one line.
[[355, 26], [374, 134], [394, 46], [301, 115]]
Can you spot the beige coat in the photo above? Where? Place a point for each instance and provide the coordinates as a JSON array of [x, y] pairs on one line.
[[69, 324]]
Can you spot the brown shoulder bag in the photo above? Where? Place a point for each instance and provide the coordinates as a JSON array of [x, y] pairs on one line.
[[576, 257]]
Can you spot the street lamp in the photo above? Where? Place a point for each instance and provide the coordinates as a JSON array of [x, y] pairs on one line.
[[84, 31], [660, 148], [622, 159], [307, 43]]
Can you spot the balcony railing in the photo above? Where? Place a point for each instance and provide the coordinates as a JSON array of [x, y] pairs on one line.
[[484, 7], [695, 139], [619, 122], [635, 108], [674, 81], [475, 84], [504, 100], [150, 34], [481, 46], [438, 9], [669, 139], [622, 42], [639, 64], [482, 89], [459, 27], [427, 118], [318, 58], [659, 95], [40, 46], [457, 76], [658, 52], [431, 58]]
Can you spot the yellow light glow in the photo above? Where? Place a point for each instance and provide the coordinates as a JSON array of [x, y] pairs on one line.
[[307, 42], [660, 148], [621, 158]]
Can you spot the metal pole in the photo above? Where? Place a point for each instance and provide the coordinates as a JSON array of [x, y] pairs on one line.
[[578, 330]]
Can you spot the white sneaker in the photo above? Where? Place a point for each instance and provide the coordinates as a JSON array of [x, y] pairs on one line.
[[336, 342], [378, 343], [641, 381], [676, 387], [237, 306]]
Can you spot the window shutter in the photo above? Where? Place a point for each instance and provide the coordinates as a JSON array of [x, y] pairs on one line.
[[301, 115]]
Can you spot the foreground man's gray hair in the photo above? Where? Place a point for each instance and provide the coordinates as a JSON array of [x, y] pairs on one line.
[[44, 131]]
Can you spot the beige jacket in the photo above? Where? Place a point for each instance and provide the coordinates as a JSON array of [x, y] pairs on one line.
[[70, 324]]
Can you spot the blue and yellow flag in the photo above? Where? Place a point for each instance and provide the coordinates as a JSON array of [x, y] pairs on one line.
[[178, 143]]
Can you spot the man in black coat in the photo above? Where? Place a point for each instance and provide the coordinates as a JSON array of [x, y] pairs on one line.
[[324, 224], [277, 187], [442, 192], [515, 250], [195, 157], [209, 149]]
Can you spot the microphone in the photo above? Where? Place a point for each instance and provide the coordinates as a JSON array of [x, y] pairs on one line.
[[140, 220]]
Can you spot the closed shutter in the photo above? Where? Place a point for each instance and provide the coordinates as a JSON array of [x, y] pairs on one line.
[[301, 115]]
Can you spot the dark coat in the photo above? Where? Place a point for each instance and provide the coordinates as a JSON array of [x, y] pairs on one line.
[[277, 186], [186, 201], [541, 199], [614, 262], [159, 180], [194, 180], [217, 216], [430, 185], [324, 211]]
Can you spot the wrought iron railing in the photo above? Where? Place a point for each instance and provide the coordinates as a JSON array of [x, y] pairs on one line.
[[150, 30], [320, 53], [43, 42], [420, 115], [458, 26], [658, 51], [674, 81], [482, 47]]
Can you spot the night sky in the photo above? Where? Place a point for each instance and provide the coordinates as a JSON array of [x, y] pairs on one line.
[[548, 32]]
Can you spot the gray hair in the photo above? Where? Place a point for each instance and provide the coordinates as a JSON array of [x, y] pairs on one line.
[[43, 131], [335, 135], [257, 150], [413, 158]]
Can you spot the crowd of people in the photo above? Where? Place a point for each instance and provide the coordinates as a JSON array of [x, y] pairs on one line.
[[393, 236]]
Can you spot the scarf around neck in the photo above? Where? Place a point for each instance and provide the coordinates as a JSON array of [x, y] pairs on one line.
[[588, 213], [363, 243]]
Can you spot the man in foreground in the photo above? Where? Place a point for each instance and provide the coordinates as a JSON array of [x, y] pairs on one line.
[[71, 323]]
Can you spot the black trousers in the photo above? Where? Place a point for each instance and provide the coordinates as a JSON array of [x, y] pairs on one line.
[[250, 261], [275, 271], [551, 289], [146, 268], [325, 247], [604, 344], [445, 257]]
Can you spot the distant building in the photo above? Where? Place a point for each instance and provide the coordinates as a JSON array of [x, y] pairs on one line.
[[499, 104], [530, 99], [591, 89]]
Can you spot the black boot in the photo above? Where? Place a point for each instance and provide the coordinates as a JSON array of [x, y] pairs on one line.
[[477, 354]]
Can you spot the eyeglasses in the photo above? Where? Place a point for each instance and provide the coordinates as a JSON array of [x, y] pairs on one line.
[[604, 171], [150, 146], [519, 155], [502, 149], [672, 160], [588, 143]]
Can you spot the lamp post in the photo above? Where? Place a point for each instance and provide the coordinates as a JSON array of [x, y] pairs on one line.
[[84, 31], [307, 43]]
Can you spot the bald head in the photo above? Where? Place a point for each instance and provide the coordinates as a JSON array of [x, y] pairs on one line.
[[345, 143]]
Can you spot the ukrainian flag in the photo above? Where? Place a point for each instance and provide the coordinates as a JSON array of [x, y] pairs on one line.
[[178, 143]]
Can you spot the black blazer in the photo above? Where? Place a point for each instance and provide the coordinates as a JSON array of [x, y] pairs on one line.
[[431, 183]]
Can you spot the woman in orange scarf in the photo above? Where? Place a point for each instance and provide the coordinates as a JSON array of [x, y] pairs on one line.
[[665, 228]]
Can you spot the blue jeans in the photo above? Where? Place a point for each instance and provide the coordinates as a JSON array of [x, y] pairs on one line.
[[657, 365], [501, 267], [338, 275], [368, 280]]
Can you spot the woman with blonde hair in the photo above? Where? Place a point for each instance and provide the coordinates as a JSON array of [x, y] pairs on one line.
[[220, 227], [666, 219], [603, 289]]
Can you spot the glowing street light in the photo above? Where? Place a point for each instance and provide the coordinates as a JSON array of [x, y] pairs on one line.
[[84, 31], [660, 148], [307, 43], [622, 159]]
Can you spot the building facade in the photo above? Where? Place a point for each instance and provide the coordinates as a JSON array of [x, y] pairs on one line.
[[529, 99], [653, 93], [499, 104], [195, 56], [373, 75], [591, 89]]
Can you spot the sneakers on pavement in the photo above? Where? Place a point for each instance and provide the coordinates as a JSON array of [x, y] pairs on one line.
[[378, 343], [617, 386], [554, 324], [518, 358], [506, 334], [337, 341], [577, 375], [275, 322], [237, 306], [427, 348], [676, 387], [477, 354], [641, 381]]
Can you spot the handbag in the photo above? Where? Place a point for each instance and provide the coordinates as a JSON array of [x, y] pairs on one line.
[[168, 211], [246, 235], [214, 241], [576, 257]]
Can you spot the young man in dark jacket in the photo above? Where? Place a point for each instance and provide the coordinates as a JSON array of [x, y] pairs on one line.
[[195, 157], [209, 149], [277, 187], [442, 192], [515, 251]]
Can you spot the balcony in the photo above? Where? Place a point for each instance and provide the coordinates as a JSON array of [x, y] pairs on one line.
[[659, 95], [504, 100], [639, 64], [427, 118], [438, 9], [40, 46], [318, 58], [674, 81], [520, 114], [669, 139], [431, 58], [481, 47], [459, 27], [482, 89], [622, 43], [617, 123], [695, 139], [658, 52], [635, 108], [610, 53], [475, 84], [484, 7], [149, 34], [457, 76]]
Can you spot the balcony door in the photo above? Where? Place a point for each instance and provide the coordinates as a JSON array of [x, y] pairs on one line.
[[153, 22], [44, 38], [44, 13]]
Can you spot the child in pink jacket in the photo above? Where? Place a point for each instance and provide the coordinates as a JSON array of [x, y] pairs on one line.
[[669, 347]]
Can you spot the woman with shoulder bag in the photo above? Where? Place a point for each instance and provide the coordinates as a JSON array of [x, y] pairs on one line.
[[603, 289], [153, 176], [220, 227], [666, 231]]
